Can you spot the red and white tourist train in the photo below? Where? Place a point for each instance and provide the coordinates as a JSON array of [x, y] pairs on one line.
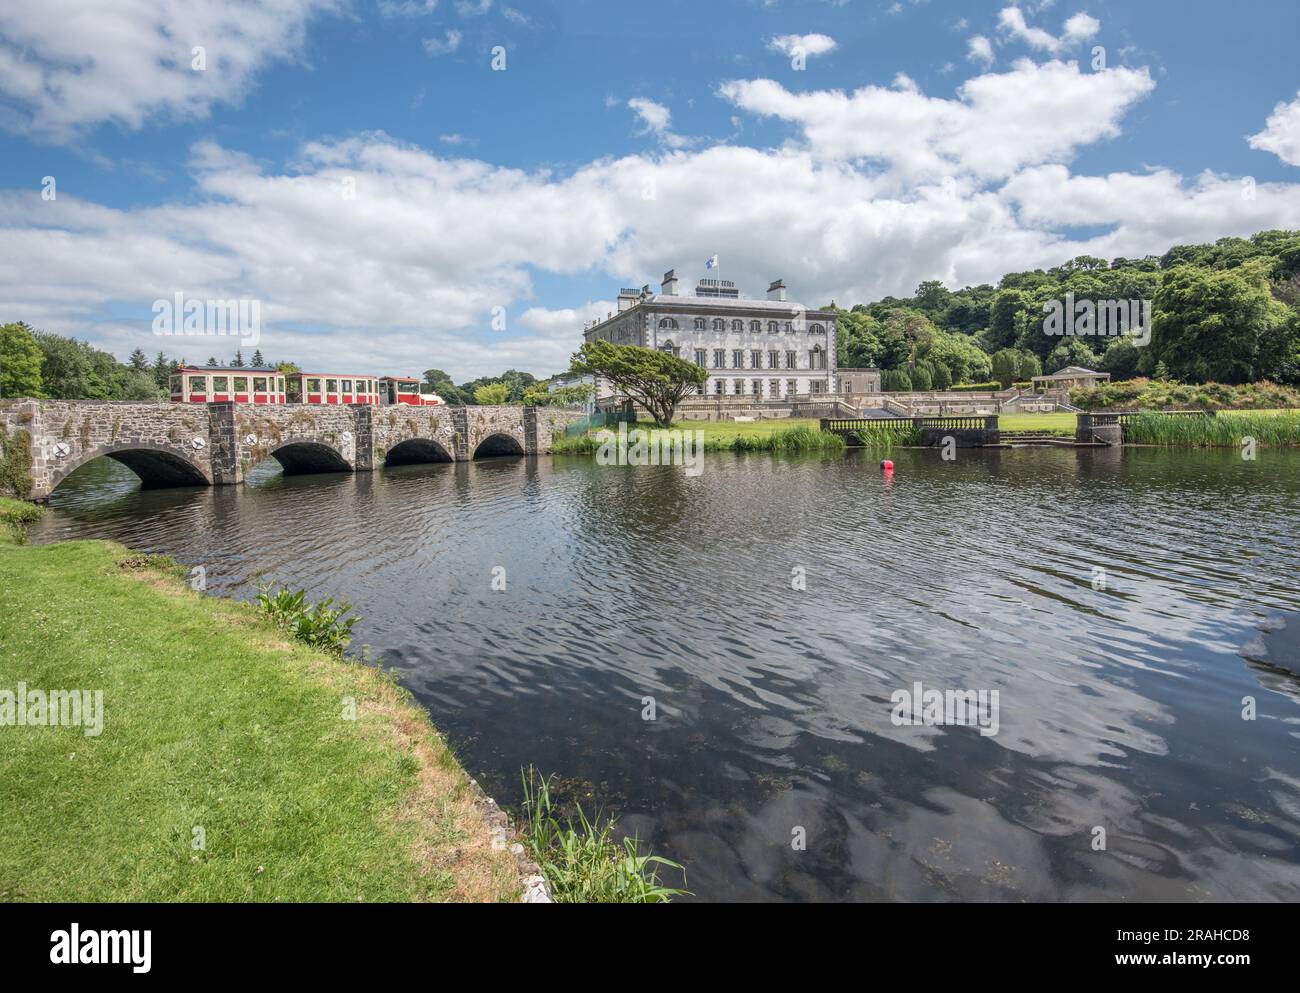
[[219, 384], [264, 385]]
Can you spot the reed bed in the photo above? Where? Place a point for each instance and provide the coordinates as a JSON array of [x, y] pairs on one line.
[[1229, 430]]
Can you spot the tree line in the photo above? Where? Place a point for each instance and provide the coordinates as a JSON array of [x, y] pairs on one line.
[[1226, 312]]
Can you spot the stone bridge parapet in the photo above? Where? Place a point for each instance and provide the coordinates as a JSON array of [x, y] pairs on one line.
[[169, 444]]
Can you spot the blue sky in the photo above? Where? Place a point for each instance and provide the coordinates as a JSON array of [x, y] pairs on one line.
[[912, 140]]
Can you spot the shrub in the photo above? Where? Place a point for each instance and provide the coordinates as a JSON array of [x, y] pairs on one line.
[[896, 381], [942, 377], [922, 377]]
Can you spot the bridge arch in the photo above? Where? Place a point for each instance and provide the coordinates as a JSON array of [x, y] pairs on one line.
[[413, 451], [496, 445], [307, 455], [157, 465]]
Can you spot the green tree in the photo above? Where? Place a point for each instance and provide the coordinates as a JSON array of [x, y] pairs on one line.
[[491, 394], [1006, 366], [439, 382], [896, 381], [1006, 317], [258, 361], [1219, 325], [656, 380], [1029, 367], [941, 377], [923, 376], [20, 361], [139, 362]]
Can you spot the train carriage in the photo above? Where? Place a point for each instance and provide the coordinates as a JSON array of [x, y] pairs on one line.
[[218, 384]]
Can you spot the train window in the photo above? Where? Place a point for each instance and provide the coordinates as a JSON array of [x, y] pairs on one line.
[[198, 384], [220, 384], [176, 384], [241, 384], [331, 386], [280, 386], [259, 384], [313, 386], [347, 386]]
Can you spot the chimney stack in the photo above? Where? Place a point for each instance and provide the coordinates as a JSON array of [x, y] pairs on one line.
[[669, 285], [777, 290]]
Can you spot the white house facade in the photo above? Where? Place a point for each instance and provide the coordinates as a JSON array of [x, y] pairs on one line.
[[772, 349]]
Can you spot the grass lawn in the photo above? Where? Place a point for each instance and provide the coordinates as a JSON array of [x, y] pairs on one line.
[[1059, 422], [213, 720]]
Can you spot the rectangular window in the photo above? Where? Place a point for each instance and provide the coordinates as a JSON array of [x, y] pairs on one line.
[[347, 386], [718, 386], [774, 360], [738, 358], [241, 384], [199, 384], [175, 384], [738, 387], [313, 386], [756, 359], [758, 387], [791, 387], [281, 385], [792, 360], [701, 358], [774, 388], [331, 386], [259, 384], [220, 384], [719, 358]]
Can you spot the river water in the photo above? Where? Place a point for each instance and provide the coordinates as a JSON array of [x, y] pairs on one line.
[[1133, 609]]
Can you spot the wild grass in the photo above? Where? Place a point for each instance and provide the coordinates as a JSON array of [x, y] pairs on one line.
[[1269, 429], [16, 516], [581, 861]]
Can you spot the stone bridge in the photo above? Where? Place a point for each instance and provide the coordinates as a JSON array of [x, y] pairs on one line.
[[168, 444]]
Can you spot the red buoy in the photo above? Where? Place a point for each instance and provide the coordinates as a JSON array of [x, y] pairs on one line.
[[886, 466]]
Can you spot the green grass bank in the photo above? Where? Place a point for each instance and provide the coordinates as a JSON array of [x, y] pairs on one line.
[[227, 768]]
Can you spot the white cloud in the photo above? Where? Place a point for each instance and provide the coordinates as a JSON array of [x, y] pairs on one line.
[[808, 44], [979, 49], [566, 323], [407, 8], [1078, 28], [445, 45], [66, 65], [998, 123], [657, 120], [1281, 134], [885, 187]]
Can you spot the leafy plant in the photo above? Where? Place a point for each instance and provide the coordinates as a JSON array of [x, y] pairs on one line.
[[581, 861], [321, 625]]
